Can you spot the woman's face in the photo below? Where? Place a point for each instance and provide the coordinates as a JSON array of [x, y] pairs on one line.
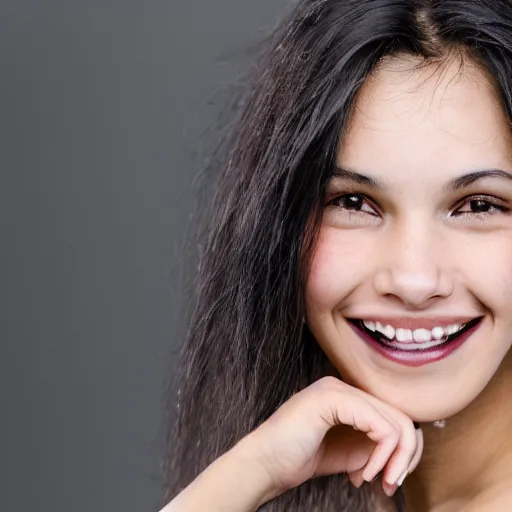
[[410, 290]]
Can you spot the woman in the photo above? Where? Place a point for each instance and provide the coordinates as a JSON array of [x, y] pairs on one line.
[[355, 288]]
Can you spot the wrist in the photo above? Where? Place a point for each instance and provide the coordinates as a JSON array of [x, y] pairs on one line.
[[248, 456], [237, 481]]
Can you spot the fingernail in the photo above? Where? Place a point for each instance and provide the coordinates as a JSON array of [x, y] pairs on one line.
[[358, 481], [367, 477], [390, 489], [402, 477]]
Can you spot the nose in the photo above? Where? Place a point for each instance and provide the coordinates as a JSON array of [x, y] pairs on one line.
[[412, 270]]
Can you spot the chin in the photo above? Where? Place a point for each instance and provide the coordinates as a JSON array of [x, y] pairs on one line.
[[424, 402], [427, 411], [427, 383]]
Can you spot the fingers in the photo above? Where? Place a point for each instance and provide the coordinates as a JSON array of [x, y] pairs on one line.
[[399, 443], [419, 451], [397, 468], [390, 489], [390, 483], [405, 456], [388, 441], [356, 478], [405, 443]]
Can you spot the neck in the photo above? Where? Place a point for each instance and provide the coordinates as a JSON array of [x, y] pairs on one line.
[[471, 456]]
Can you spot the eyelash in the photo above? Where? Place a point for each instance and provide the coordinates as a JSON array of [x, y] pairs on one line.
[[490, 202], [333, 201]]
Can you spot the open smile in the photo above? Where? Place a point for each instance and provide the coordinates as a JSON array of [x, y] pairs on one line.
[[415, 346]]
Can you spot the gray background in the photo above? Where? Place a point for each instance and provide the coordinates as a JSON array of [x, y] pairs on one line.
[[104, 107]]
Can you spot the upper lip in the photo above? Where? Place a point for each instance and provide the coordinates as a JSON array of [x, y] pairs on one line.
[[417, 322]]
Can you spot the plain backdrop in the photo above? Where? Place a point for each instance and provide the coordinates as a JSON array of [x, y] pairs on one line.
[[105, 109]]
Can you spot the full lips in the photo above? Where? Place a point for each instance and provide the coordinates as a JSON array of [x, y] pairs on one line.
[[416, 357]]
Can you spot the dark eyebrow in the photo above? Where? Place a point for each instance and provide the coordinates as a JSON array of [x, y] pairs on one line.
[[468, 179], [456, 184], [356, 177]]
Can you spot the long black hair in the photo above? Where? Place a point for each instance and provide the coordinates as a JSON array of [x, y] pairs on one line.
[[247, 349]]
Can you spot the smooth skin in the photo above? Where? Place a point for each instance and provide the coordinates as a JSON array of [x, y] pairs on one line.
[[430, 250]]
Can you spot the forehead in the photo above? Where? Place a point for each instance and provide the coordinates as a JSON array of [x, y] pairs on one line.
[[443, 117]]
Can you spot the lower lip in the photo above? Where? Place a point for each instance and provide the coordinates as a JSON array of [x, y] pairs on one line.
[[416, 357]]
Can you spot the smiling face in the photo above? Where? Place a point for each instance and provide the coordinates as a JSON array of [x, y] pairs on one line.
[[410, 289]]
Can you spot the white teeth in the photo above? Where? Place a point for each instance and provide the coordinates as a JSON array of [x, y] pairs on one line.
[[369, 325], [386, 330], [389, 332], [437, 333], [421, 335], [418, 336], [404, 335], [451, 329]]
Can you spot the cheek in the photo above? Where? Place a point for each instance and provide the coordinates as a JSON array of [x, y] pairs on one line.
[[335, 266], [488, 267]]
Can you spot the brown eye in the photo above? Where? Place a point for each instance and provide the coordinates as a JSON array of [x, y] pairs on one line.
[[355, 203], [479, 205], [351, 202]]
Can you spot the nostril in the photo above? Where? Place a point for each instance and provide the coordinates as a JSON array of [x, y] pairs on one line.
[[410, 289]]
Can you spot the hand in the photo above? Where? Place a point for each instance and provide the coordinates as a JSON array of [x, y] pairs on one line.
[[331, 427]]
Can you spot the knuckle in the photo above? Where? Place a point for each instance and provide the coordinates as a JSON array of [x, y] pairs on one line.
[[404, 420], [394, 434], [407, 444], [389, 433], [328, 382], [409, 433], [406, 429], [328, 387]]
